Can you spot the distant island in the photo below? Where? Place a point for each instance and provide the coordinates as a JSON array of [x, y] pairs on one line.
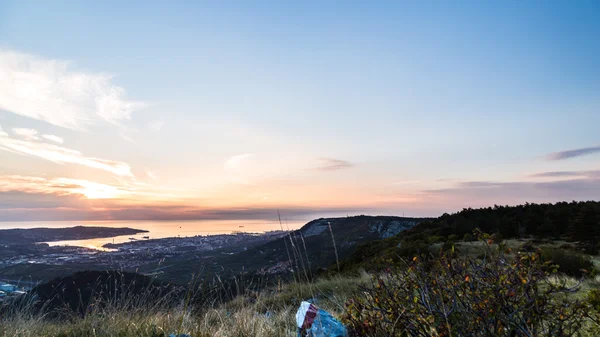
[[21, 236]]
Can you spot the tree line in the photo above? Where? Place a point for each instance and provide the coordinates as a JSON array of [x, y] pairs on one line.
[[574, 221]]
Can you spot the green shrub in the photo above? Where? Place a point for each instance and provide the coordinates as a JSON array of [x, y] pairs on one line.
[[453, 237], [568, 262], [412, 248], [567, 246], [448, 246], [452, 296], [528, 247], [591, 249], [468, 237], [497, 238], [593, 299], [435, 239]]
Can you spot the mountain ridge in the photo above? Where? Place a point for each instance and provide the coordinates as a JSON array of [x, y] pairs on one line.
[[311, 244]]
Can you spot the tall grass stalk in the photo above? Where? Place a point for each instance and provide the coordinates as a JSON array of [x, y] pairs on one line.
[[268, 314], [206, 308], [286, 247], [337, 260]]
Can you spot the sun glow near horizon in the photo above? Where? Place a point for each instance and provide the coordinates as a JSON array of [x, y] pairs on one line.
[[383, 110]]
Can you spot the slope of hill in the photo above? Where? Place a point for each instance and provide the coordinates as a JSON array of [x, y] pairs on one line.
[[87, 290], [309, 248], [269, 311], [574, 221]]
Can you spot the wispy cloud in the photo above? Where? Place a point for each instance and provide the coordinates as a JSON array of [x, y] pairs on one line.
[[123, 192], [556, 174], [29, 198], [152, 175], [236, 162], [59, 187], [49, 90], [54, 138], [559, 174], [573, 153], [128, 134], [405, 182], [156, 126], [332, 164], [30, 134], [485, 193], [238, 169], [61, 155]]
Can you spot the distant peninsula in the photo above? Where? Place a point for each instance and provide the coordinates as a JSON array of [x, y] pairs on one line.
[[20, 236]]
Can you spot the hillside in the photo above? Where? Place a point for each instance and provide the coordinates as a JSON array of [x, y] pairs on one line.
[[81, 291], [575, 221], [135, 305], [309, 248]]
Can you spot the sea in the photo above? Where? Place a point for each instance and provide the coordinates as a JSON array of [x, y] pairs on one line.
[[157, 229]]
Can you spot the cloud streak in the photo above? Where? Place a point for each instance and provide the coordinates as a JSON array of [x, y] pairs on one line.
[[562, 155], [556, 174], [61, 155], [486, 193], [332, 164], [17, 205], [405, 182], [54, 138], [152, 175], [29, 134], [50, 91], [572, 174], [156, 126], [238, 169], [59, 187], [236, 162]]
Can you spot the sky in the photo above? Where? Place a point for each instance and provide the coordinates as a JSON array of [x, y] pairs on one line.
[[237, 109]]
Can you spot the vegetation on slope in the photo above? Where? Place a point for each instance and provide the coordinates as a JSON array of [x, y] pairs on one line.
[[312, 245], [578, 222], [507, 294], [436, 279], [270, 313], [88, 290], [459, 295]]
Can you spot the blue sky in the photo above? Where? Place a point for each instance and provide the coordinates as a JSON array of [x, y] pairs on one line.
[[360, 107]]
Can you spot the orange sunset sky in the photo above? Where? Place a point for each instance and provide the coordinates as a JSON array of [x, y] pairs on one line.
[[212, 111]]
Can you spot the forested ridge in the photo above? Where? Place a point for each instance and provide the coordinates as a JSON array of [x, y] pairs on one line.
[[577, 221]]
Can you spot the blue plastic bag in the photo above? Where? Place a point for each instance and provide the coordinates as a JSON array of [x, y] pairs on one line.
[[315, 322]]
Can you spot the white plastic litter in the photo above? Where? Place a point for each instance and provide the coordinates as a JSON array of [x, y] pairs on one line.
[[315, 322]]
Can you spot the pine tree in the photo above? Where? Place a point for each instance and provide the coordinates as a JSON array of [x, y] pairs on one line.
[[586, 226]]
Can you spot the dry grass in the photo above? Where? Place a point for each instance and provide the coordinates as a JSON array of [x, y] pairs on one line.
[[563, 281], [216, 322], [475, 248], [270, 313]]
